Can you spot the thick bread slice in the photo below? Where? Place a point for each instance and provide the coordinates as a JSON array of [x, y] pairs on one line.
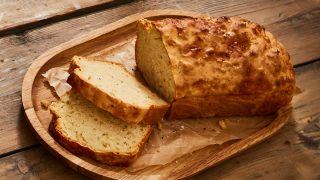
[[214, 66], [84, 129], [111, 87]]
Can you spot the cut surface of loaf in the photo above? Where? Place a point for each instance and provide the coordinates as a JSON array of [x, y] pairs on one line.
[[111, 87], [84, 129], [214, 66]]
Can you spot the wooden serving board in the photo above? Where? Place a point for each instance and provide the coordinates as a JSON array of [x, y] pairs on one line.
[[102, 42]]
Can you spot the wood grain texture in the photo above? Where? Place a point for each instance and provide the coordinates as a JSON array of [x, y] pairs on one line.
[[284, 156], [6, 124], [14, 14], [29, 164], [96, 42], [287, 19]]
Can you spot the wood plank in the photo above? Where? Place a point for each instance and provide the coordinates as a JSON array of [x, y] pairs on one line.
[[36, 164], [22, 139], [293, 153], [15, 14], [286, 19]]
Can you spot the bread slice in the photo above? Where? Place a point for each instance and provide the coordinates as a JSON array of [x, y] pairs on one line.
[[84, 129], [214, 66], [111, 87]]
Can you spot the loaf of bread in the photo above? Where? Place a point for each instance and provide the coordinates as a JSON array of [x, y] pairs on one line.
[[111, 87], [84, 129], [214, 66]]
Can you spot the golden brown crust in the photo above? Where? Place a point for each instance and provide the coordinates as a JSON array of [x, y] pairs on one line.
[[116, 107], [226, 105], [110, 158], [229, 59], [221, 56]]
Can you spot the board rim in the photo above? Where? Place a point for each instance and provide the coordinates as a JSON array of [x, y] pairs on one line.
[[85, 168]]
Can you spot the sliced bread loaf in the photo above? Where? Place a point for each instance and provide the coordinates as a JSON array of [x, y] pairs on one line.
[[84, 129], [214, 66], [111, 87]]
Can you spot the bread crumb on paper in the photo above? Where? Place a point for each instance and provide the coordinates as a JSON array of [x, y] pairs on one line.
[[307, 119], [222, 124]]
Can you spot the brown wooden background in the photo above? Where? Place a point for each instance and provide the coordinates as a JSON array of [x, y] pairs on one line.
[[28, 28]]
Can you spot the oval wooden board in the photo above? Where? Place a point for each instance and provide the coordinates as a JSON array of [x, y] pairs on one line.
[[99, 43]]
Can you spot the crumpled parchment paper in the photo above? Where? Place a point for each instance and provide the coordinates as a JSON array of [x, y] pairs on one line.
[[176, 138], [57, 78]]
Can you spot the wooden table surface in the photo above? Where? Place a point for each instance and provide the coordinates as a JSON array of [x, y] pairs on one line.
[[29, 28]]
